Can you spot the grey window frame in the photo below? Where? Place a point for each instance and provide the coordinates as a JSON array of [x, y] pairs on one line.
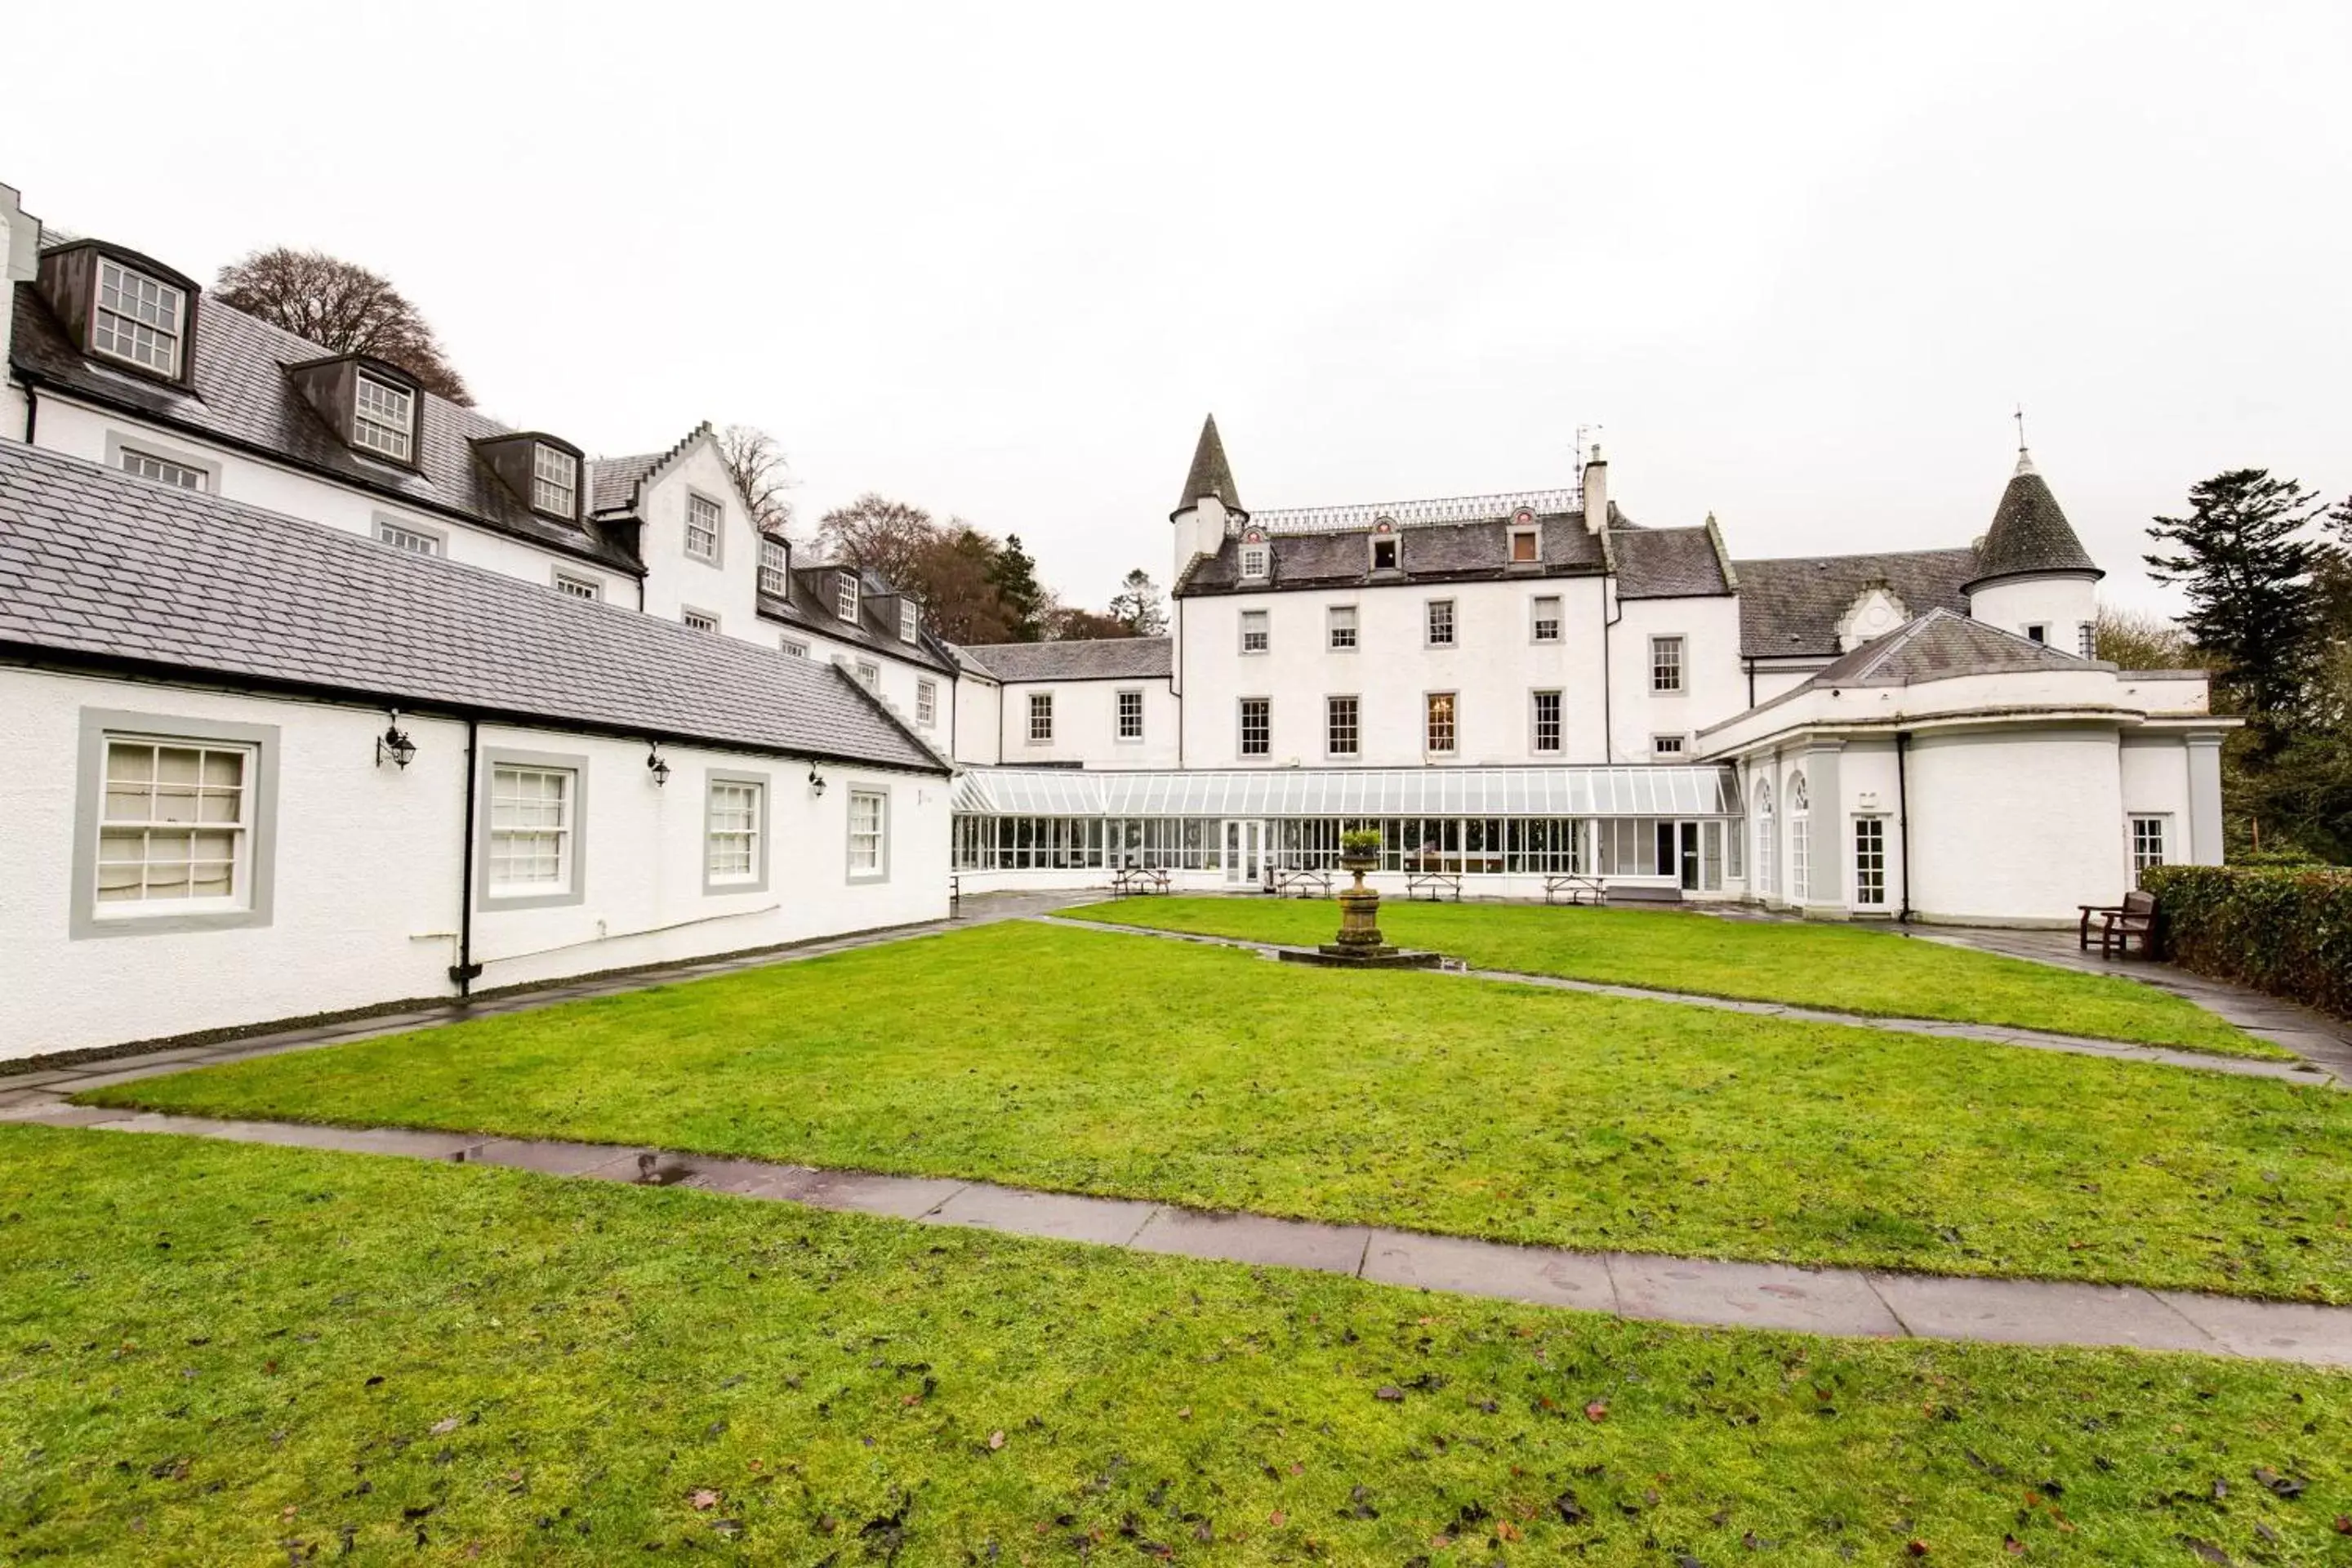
[[97, 724], [362, 419], [116, 441], [1533, 532], [1559, 603], [2038, 631], [869, 676], [1118, 716], [1863, 872], [1681, 747], [439, 536], [180, 318], [881, 873], [1355, 722], [1241, 727], [1041, 705], [2086, 639], [1558, 721], [1331, 628], [1396, 553], [688, 614], [927, 695], [2132, 821], [1264, 553], [1453, 720], [793, 648], [855, 594], [1264, 619], [1428, 636], [717, 556], [756, 882], [576, 888], [782, 570], [1681, 644], [581, 579]]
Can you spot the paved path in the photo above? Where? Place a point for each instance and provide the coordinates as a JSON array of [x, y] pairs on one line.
[[2304, 1072], [1843, 1302]]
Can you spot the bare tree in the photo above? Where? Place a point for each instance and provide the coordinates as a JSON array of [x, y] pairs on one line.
[[2141, 639], [761, 473], [879, 534], [344, 308]]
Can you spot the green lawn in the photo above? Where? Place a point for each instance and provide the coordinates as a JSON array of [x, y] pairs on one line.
[[218, 1354], [1090, 1061], [1838, 968]]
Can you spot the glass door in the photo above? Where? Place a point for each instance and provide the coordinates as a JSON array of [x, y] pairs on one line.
[[1245, 853], [1687, 861]]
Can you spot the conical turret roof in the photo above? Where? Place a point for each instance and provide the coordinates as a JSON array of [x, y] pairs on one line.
[[1210, 475], [2028, 532]]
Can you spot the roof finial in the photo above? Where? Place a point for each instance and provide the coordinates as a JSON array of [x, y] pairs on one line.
[[2024, 459]]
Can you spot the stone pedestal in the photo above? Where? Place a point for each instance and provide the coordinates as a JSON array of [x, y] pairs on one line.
[[1360, 944]]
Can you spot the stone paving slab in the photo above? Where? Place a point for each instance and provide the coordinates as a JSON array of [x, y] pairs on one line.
[[2052, 1312], [1835, 1301], [1109, 1222], [1254, 1239], [1542, 1275], [55, 1112], [2288, 1330], [1749, 1295]]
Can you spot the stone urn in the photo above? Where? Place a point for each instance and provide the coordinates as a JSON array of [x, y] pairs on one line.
[[1360, 906]]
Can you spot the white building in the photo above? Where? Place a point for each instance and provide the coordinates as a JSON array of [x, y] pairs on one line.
[[1517, 688], [270, 770]]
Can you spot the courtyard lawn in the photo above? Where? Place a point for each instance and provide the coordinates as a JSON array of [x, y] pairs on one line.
[[211, 1353], [1097, 1062], [1838, 968]]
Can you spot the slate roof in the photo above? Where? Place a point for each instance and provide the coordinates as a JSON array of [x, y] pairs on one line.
[[244, 399], [1428, 553], [1209, 475], [1666, 564], [1941, 646], [1791, 607], [97, 565], [1094, 658], [2028, 532], [615, 487], [809, 607]]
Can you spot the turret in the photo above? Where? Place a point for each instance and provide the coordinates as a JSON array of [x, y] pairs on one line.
[[1210, 500], [2033, 576]]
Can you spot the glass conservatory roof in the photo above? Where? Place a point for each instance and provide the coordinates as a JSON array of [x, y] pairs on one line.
[[1352, 792]]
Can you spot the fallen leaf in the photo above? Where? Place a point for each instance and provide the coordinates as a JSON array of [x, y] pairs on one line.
[[448, 1425], [1274, 1519], [996, 1439], [1506, 1531], [704, 1498], [2207, 1549], [2012, 1545], [1598, 1411], [1389, 1391], [1917, 1548]]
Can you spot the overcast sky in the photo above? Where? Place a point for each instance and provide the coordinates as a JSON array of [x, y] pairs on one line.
[[1796, 261]]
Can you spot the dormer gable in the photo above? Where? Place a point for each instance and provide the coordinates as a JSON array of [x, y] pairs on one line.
[[1874, 612], [540, 470], [374, 408], [124, 310]]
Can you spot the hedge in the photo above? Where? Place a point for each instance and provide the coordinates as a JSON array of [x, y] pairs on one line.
[[2285, 931]]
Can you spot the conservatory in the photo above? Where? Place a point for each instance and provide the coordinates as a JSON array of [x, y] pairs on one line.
[[1663, 828]]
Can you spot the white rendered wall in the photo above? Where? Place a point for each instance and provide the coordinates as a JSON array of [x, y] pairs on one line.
[[2016, 825], [1086, 724], [2156, 783], [2062, 604], [81, 432], [1494, 667], [1715, 684], [728, 588], [978, 703], [367, 864]]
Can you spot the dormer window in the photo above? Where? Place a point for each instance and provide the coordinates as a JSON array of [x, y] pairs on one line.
[[845, 596], [1527, 542], [776, 568], [910, 620], [1384, 556], [384, 418], [554, 481], [139, 318], [1255, 559]]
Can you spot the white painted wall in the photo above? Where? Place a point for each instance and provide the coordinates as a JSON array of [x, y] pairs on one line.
[[82, 431], [674, 581], [1086, 728], [978, 703], [2017, 826], [2063, 603], [1714, 686], [367, 865], [1494, 667]]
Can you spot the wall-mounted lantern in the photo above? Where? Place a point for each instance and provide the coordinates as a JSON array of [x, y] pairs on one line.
[[656, 769], [393, 744], [817, 783]]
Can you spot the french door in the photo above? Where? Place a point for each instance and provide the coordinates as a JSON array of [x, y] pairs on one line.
[[1245, 853]]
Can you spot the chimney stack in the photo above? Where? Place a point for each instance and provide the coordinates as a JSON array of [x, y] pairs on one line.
[[1596, 491]]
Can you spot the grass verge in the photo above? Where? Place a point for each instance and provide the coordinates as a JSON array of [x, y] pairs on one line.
[[1086, 1062], [224, 1354], [1840, 968]]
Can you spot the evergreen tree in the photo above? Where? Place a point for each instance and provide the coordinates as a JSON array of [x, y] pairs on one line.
[[1139, 607], [1013, 575], [2242, 557]]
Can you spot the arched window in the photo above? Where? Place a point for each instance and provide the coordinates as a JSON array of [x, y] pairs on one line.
[[1800, 839], [1765, 860]]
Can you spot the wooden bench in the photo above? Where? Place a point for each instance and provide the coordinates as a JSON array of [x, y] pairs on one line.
[[2118, 923], [1579, 889], [1432, 883], [1140, 880], [1307, 881]]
